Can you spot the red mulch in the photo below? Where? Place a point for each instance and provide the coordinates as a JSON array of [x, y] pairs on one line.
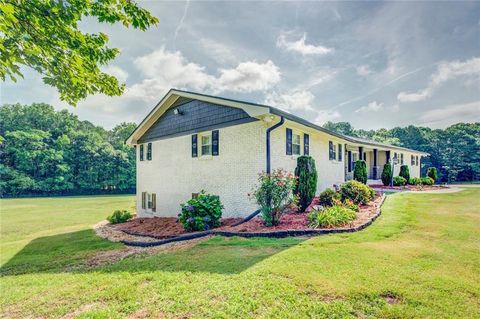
[[162, 227], [410, 187], [165, 227]]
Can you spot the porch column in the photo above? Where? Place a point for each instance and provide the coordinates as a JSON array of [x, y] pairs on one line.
[[360, 151], [375, 168]]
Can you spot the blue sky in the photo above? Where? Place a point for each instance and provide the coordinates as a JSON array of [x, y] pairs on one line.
[[370, 63]]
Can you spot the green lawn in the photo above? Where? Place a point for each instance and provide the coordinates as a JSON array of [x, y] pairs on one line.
[[421, 258]]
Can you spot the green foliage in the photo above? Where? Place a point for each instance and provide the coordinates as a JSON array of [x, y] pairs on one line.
[[329, 217], [48, 152], [415, 181], [119, 216], [399, 181], [273, 193], [328, 197], [432, 173], [45, 36], [348, 203], [360, 172], [404, 172], [387, 174], [201, 213], [306, 174], [427, 181], [357, 192]]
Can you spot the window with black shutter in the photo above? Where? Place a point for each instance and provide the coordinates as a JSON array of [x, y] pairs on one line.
[[215, 145], [194, 145], [416, 160], [141, 152], [340, 155], [331, 153], [401, 158], [412, 160], [149, 201], [144, 200], [306, 144], [289, 142], [154, 202], [149, 151]]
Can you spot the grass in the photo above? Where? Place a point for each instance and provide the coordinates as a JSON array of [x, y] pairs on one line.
[[419, 259]]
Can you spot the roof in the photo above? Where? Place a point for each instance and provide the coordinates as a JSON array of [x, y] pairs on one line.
[[255, 109]]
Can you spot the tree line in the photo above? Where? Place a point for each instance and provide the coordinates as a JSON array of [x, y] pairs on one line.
[[454, 151], [48, 152]]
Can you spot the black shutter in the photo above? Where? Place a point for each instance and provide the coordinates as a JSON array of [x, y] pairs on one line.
[[306, 144], [149, 151], [330, 150], [349, 161], [141, 152], [194, 146], [154, 202], [144, 199], [340, 155], [215, 143], [289, 141]]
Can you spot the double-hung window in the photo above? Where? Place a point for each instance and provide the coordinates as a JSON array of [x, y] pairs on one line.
[[296, 144], [206, 144]]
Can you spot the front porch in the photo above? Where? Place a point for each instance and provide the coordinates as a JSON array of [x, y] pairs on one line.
[[374, 157]]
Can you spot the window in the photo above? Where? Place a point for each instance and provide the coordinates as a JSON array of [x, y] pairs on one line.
[[206, 142], [149, 151], [334, 155], [141, 152], [154, 202], [401, 159], [412, 160], [354, 159], [296, 147], [149, 202], [340, 152], [416, 160], [144, 200]]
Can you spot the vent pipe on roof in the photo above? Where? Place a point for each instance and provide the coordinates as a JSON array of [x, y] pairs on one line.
[[282, 120]]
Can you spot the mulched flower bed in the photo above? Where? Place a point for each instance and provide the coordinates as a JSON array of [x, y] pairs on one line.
[[167, 227], [415, 188]]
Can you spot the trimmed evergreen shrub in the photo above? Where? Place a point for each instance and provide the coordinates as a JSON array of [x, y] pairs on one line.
[[307, 181], [328, 197], [360, 172], [405, 172], [387, 174], [329, 217], [415, 181], [432, 173], [357, 192], [427, 181], [119, 216], [201, 213], [399, 181]]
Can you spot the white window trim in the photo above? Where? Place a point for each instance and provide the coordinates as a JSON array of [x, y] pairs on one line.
[[299, 134], [200, 144]]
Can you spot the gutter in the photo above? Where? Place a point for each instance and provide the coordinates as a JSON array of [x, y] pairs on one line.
[[282, 120]]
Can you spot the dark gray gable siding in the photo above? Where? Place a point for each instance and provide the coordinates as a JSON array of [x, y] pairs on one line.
[[196, 116]]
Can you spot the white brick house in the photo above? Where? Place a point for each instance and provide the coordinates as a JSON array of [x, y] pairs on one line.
[[191, 142]]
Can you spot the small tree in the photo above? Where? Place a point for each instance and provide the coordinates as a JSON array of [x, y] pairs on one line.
[[307, 181], [360, 172], [387, 174], [432, 173], [404, 172]]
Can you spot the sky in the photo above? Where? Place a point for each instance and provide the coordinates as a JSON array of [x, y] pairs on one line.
[[372, 64]]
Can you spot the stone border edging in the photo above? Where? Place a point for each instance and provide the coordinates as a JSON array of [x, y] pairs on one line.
[[272, 234]]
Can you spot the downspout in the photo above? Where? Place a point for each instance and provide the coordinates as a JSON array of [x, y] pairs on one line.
[[282, 120]]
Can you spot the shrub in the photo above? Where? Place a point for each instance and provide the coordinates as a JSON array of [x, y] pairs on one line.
[[415, 181], [329, 217], [307, 181], [405, 172], [427, 181], [119, 216], [387, 174], [357, 192], [360, 172], [328, 197], [273, 193], [348, 203], [201, 213], [399, 181], [432, 173]]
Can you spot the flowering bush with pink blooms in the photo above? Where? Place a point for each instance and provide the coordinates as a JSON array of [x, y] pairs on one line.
[[274, 193]]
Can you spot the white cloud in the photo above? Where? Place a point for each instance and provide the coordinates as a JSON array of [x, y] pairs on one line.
[[395, 108], [163, 70], [180, 24], [440, 117], [117, 72], [445, 71], [371, 107], [325, 116], [301, 47], [363, 70], [293, 101]]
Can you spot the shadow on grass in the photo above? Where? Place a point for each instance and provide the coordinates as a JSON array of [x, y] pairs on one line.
[[70, 252]]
